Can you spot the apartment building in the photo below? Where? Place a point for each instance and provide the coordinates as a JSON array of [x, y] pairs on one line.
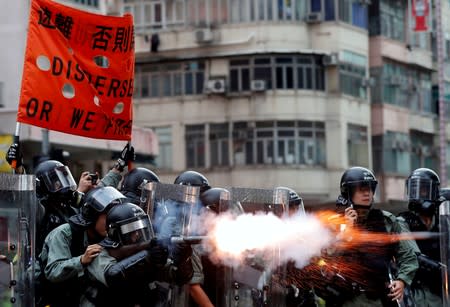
[[256, 93]]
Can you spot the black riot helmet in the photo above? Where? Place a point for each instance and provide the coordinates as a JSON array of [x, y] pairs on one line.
[[211, 198], [128, 224], [135, 179], [54, 180], [98, 200], [295, 201], [422, 190], [193, 178], [356, 176]]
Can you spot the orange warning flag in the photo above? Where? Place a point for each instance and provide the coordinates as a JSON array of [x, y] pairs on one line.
[[78, 72]]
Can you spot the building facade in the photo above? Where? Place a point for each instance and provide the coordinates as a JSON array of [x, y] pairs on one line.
[[266, 93]]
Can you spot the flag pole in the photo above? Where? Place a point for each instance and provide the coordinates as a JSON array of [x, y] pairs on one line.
[[130, 163], [16, 140]]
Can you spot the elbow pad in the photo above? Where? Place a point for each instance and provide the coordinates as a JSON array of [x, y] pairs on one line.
[[131, 269]]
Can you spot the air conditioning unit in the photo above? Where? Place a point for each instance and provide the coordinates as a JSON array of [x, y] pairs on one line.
[[414, 87], [426, 151], [258, 85], [215, 86], [395, 80], [368, 82], [313, 17], [204, 36], [330, 59]]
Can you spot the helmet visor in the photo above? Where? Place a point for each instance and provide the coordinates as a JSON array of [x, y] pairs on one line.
[[58, 179], [420, 189], [101, 198], [135, 230], [372, 184]]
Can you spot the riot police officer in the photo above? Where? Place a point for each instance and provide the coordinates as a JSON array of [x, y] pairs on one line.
[[58, 195], [196, 292], [296, 205], [424, 196], [368, 286], [193, 178], [131, 260], [58, 198], [70, 247], [134, 180]]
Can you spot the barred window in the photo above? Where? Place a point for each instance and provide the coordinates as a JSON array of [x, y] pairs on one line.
[[278, 72], [279, 142], [352, 70], [219, 139], [408, 87], [195, 146], [155, 14], [173, 79], [358, 145]]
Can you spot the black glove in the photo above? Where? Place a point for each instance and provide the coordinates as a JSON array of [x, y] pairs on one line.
[[184, 272], [158, 253], [127, 155], [14, 154], [181, 253]]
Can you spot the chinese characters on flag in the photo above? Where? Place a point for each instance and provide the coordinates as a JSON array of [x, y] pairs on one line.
[[78, 72], [421, 15]]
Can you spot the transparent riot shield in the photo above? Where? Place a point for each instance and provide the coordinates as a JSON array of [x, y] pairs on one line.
[[444, 229], [170, 208], [17, 233], [250, 283]]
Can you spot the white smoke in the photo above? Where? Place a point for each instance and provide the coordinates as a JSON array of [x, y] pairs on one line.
[[233, 238]]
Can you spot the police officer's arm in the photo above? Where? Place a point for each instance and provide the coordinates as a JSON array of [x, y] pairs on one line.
[[195, 289], [114, 175], [406, 254], [134, 267], [138, 266], [60, 263]]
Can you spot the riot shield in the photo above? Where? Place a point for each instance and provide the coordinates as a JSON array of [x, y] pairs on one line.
[[170, 208], [17, 234], [444, 229], [250, 283]]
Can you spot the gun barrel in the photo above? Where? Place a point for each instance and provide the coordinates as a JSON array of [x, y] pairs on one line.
[[188, 239]]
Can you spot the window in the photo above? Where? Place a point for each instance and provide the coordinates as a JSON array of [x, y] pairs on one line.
[[408, 87], [172, 79], [393, 19], [447, 161], [164, 158], [219, 138], [423, 153], [155, 14], [279, 142], [358, 146], [329, 8], [2, 90], [396, 148], [353, 12], [278, 72], [195, 146], [93, 3], [352, 70]]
